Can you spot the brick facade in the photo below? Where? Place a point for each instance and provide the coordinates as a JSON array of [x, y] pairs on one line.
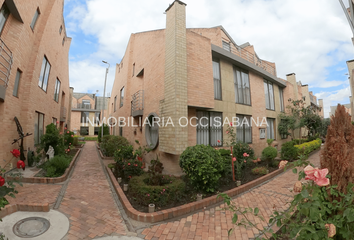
[[28, 47], [173, 67]]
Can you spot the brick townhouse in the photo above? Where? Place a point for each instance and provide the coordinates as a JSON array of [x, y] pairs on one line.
[[34, 72], [87, 105], [202, 73]]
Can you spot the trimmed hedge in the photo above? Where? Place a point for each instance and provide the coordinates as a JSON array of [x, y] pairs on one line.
[[289, 151], [90, 138], [111, 143], [308, 147], [145, 194]]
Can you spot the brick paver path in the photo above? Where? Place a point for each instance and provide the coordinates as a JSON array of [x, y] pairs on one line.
[[214, 223], [35, 193], [88, 200]]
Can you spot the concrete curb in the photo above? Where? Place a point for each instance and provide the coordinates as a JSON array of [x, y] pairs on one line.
[[12, 208], [49, 180]]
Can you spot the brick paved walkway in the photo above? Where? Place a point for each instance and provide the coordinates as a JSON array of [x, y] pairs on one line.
[[214, 223], [88, 200]]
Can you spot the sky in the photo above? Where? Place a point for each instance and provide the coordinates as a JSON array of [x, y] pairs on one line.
[[310, 38]]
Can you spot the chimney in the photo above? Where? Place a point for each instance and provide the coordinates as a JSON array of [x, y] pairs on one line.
[[174, 139], [291, 78], [320, 103]]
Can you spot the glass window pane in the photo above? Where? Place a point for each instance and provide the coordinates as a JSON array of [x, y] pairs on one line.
[[266, 95], [46, 76], [40, 83], [235, 85], [215, 129], [202, 128], [36, 140], [239, 87], [281, 100], [17, 83], [217, 81], [246, 89], [271, 95], [34, 20], [4, 14]]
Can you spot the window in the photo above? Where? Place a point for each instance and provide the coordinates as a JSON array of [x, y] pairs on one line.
[[209, 128], [96, 130], [4, 14], [35, 18], [57, 90], [60, 29], [281, 96], [84, 131], [121, 131], [151, 131], [226, 46], [17, 83], [63, 41], [244, 129], [283, 136], [43, 78], [121, 97], [242, 87], [115, 103], [84, 117], [86, 104], [97, 117], [270, 128], [38, 127], [55, 121], [133, 69], [217, 80], [269, 95]]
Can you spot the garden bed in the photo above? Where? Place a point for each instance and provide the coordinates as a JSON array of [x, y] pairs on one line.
[[39, 177], [225, 184]]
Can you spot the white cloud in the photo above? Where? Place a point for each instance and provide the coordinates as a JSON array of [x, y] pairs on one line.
[[333, 98], [303, 36]]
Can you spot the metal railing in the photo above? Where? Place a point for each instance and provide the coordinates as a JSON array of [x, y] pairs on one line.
[[137, 103], [250, 57], [82, 106], [63, 112], [6, 61]]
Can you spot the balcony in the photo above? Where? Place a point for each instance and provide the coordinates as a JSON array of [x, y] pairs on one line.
[[137, 103], [82, 106], [63, 112], [312, 100], [6, 61], [250, 57]]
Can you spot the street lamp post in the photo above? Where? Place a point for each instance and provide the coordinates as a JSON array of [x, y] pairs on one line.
[[104, 97]]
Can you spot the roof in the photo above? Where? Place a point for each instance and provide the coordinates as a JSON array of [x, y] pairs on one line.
[[80, 95]]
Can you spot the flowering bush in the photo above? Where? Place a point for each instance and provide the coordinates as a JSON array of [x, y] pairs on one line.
[[68, 138], [308, 147], [16, 153], [131, 168], [260, 171], [169, 192]]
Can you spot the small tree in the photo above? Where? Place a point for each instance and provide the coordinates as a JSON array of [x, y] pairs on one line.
[[53, 138], [337, 154], [105, 131]]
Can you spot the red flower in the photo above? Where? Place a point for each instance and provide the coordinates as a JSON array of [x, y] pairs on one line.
[[128, 164], [218, 141], [72, 135], [2, 181], [57, 121], [67, 132], [234, 159], [230, 124], [21, 164], [15, 153], [65, 128], [130, 176], [142, 167]]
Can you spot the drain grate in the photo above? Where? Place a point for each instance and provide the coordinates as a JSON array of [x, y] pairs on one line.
[[31, 227]]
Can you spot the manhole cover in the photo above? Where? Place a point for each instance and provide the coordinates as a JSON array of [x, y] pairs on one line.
[[31, 227]]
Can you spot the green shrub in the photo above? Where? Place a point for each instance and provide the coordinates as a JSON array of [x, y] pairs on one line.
[[308, 147], [111, 143], [274, 163], [105, 132], [260, 171], [240, 148], [76, 141], [155, 172], [289, 151], [144, 194], [311, 138], [299, 141], [132, 168], [226, 160], [270, 141], [56, 166], [203, 165], [90, 138], [269, 153], [52, 138], [123, 152], [68, 138]]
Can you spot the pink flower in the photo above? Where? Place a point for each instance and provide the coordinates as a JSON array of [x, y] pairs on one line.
[[128, 164], [148, 195], [163, 189], [234, 159], [60, 133], [309, 171], [65, 128], [57, 121], [218, 141], [230, 124], [317, 175], [244, 161], [142, 167], [67, 132], [68, 149], [72, 135], [227, 132], [246, 155]]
